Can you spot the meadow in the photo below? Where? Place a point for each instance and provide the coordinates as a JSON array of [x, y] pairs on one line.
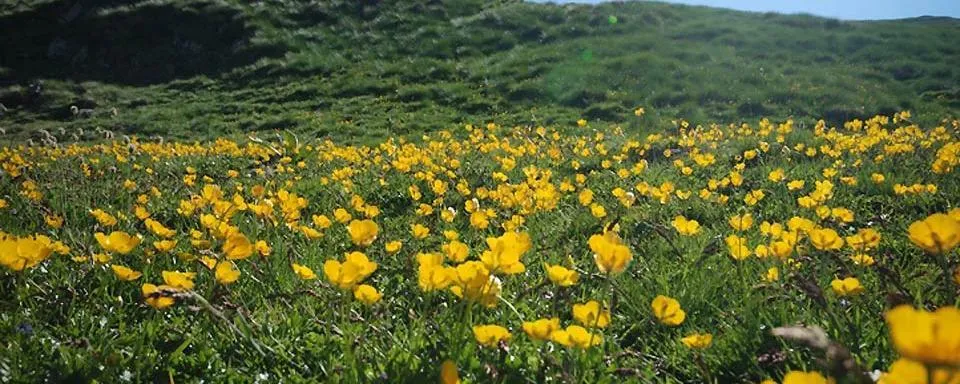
[[717, 253], [475, 191], [359, 72]]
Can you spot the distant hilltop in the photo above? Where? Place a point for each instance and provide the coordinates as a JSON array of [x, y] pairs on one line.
[[362, 70], [933, 19]]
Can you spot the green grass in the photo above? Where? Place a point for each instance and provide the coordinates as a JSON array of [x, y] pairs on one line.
[[198, 69], [67, 320], [388, 80]]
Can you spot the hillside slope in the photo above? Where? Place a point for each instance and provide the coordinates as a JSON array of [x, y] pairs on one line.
[[361, 70]]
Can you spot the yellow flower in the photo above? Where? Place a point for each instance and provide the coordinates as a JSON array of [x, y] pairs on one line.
[[154, 298], [479, 219], [102, 258], [561, 276], [576, 336], [878, 178], [800, 224], [158, 229], [117, 242], [927, 337], [303, 272], [842, 215], [823, 212], [862, 259], [505, 253], [351, 272], [685, 226], [363, 232], [448, 373], [795, 185], [105, 219], [208, 262], [541, 329], [799, 377], [141, 212], [59, 247], [870, 237], [124, 273], [237, 247], [906, 371], [865, 238], [774, 230], [226, 272], [609, 253], [776, 175], [179, 280], [54, 221], [585, 197], [475, 282], [164, 245], [451, 235], [419, 231], [366, 294], [393, 246], [211, 193], [431, 258], [668, 311], [753, 197], [784, 248], [490, 335], [955, 213], [846, 287], [455, 251], [738, 247], [741, 222], [773, 274], [18, 254], [582, 123], [448, 214], [598, 211], [590, 314], [434, 277], [938, 233], [262, 248], [698, 340], [341, 215], [825, 239], [310, 233], [425, 210], [323, 222], [762, 251]]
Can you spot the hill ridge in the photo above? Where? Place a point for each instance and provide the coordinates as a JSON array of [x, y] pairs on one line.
[[367, 70]]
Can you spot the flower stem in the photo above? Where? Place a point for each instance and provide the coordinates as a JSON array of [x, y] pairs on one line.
[[947, 276]]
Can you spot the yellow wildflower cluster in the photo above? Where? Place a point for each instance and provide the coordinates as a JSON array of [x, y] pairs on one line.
[[568, 235]]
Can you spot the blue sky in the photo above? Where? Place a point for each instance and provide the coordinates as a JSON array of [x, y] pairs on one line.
[[841, 9]]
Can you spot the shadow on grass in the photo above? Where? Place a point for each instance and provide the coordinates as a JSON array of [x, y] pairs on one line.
[[125, 41]]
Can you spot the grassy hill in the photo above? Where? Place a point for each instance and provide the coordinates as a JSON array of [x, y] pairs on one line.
[[504, 253], [363, 70]]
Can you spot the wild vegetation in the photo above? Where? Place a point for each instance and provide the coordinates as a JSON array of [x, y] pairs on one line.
[[507, 255], [475, 191]]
